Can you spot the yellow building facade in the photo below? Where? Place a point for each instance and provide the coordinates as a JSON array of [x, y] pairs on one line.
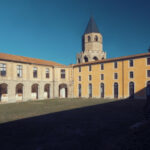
[[95, 76], [121, 77]]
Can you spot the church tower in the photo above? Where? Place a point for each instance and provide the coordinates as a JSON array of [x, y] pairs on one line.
[[92, 44]]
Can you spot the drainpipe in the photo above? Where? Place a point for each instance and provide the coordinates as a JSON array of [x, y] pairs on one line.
[[53, 82], [122, 78]]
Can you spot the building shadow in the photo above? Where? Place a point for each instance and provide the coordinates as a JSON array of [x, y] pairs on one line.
[[88, 128]]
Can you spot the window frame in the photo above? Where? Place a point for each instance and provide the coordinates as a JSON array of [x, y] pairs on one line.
[[148, 61], [131, 62], [35, 72], [19, 71], [3, 69], [102, 66], [115, 75], [62, 73], [47, 73], [115, 64], [131, 74]]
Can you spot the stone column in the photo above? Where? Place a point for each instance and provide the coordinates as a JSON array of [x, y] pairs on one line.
[[11, 91]]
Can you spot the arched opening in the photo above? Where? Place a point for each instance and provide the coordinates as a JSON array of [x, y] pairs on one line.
[[78, 60], [95, 58], [34, 91], [47, 91], [3, 92], [116, 90], [63, 91], [148, 90], [89, 39], [19, 91], [85, 59], [102, 90], [90, 90], [96, 38], [131, 90]]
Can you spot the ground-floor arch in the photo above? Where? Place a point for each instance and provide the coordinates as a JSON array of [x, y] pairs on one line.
[[19, 91], [131, 90], [148, 90], [34, 91], [3, 91], [47, 91], [63, 91], [116, 93]]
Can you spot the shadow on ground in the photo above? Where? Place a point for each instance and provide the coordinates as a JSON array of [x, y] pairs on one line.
[[89, 128]]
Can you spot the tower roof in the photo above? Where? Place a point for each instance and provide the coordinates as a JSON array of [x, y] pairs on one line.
[[91, 27]]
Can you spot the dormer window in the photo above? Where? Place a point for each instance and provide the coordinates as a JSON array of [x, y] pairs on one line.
[[89, 39], [96, 38]]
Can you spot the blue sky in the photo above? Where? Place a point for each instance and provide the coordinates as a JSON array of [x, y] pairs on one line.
[[52, 29]]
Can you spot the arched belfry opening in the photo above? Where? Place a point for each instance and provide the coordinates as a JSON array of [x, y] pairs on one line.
[[86, 59], [95, 58], [63, 91]]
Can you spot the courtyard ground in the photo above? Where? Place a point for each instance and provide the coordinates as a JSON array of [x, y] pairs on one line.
[[73, 124]]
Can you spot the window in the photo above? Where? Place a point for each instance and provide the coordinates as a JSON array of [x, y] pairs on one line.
[[79, 90], [90, 68], [148, 73], [115, 64], [79, 69], [131, 74], [35, 72], [19, 71], [89, 39], [102, 66], [79, 78], [148, 61], [3, 69], [131, 64], [115, 75], [90, 90], [63, 74], [102, 90], [90, 77], [47, 72], [96, 38], [102, 76]]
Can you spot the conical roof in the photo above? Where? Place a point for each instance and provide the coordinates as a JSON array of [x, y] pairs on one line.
[[91, 27]]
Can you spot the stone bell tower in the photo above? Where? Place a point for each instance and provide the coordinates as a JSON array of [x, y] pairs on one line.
[[92, 44]]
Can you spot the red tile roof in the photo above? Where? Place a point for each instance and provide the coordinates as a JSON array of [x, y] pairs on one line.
[[22, 59]]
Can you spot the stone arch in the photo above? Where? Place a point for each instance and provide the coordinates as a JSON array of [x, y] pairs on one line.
[[63, 90], [95, 58], [47, 91], [86, 59], [19, 91], [3, 91], [34, 91]]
